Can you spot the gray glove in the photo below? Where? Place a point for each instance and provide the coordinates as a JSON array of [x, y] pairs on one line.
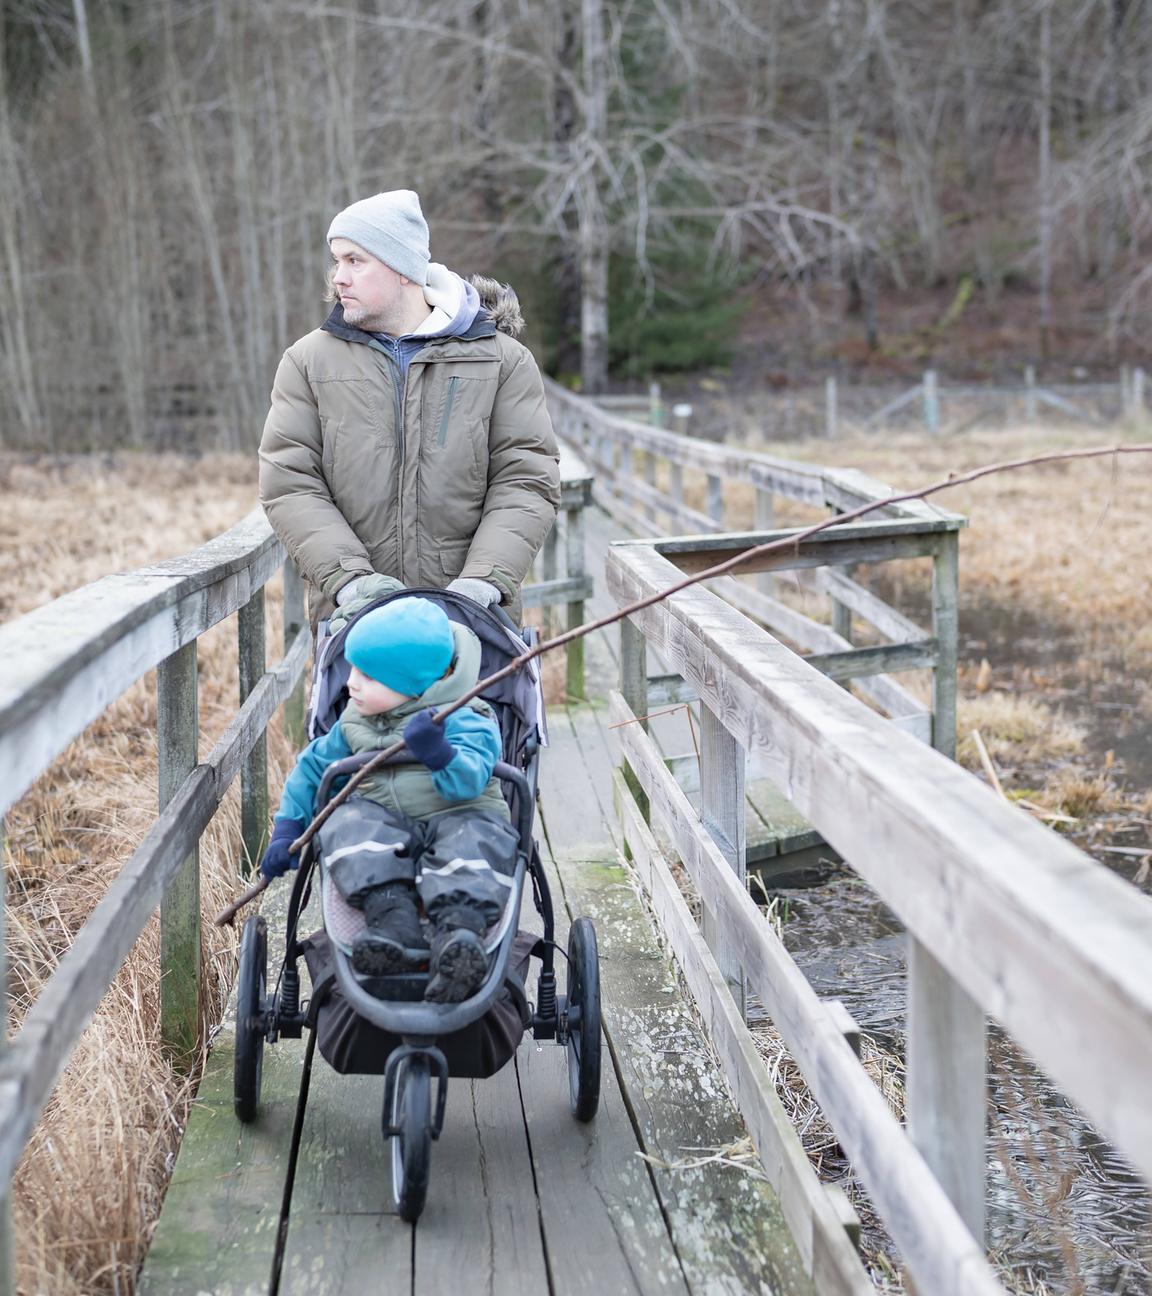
[[347, 592], [365, 590], [477, 590]]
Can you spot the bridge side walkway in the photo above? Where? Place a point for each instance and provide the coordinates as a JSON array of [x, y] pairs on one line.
[[522, 1198]]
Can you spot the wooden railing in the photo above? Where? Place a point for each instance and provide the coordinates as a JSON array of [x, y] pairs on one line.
[[65, 664], [629, 457], [1004, 918]]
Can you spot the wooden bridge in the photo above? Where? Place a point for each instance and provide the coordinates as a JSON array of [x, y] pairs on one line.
[[694, 745]]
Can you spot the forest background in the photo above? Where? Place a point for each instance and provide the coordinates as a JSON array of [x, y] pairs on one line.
[[786, 187]]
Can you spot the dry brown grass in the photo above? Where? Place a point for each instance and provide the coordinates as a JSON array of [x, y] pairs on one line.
[[89, 1185]]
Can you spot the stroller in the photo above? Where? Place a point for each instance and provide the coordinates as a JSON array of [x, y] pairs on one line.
[[381, 1025]]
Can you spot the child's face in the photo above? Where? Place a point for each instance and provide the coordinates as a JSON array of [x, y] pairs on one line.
[[370, 697]]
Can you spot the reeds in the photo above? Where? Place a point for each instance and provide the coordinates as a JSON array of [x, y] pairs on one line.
[[89, 1186]]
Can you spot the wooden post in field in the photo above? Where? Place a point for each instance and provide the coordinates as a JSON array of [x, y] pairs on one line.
[[254, 772], [722, 813], [7, 1253], [295, 616], [574, 566], [831, 407], [655, 407], [177, 743], [931, 402], [681, 414], [1137, 392], [946, 1028], [1030, 394]]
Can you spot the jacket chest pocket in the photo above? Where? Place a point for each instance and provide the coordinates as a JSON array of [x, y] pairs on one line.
[[464, 409]]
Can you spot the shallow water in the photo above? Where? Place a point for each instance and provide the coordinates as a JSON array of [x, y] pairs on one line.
[[1063, 1207]]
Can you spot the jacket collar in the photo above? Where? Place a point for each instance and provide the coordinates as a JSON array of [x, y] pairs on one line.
[[481, 327]]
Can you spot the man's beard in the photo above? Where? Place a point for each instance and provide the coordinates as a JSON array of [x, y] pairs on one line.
[[360, 317]]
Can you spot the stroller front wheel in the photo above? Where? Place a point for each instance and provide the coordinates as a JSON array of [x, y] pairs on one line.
[[583, 1025], [251, 985], [411, 1130]]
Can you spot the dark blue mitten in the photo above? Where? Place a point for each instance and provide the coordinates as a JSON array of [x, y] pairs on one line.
[[277, 858], [425, 739]]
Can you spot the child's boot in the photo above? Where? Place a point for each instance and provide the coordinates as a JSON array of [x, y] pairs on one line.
[[459, 962], [392, 940]]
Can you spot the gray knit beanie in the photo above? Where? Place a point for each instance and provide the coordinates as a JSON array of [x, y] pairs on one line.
[[392, 227]]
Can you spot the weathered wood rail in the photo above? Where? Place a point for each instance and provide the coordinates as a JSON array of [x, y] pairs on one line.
[[65, 664], [1004, 917], [629, 457]]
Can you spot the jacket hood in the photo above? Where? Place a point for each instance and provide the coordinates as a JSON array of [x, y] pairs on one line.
[[464, 308], [501, 304]]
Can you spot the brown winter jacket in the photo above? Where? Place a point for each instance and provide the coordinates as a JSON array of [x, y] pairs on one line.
[[469, 487]]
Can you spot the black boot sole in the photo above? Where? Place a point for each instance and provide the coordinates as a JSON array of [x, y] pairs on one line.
[[374, 955], [458, 969]]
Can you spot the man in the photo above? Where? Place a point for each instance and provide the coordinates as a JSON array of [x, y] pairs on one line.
[[408, 435]]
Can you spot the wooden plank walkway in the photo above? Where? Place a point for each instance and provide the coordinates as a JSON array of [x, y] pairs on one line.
[[522, 1198]]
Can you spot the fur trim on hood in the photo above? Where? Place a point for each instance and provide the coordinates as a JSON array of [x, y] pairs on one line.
[[501, 303]]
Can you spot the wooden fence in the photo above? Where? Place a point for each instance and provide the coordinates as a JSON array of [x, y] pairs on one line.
[[1004, 918], [629, 457], [65, 664]]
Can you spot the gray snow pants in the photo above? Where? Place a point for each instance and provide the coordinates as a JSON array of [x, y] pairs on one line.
[[466, 859]]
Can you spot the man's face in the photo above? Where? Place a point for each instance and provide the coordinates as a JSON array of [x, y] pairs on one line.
[[370, 292]]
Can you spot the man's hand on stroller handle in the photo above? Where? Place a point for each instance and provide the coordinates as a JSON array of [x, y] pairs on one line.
[[278, 858], [425, 739]]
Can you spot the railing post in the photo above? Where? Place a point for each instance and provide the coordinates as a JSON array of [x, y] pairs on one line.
[[254, 773], [945, 601], [649, 462], [575, 568], [295, 615], [7, 1238], [716, 499], [177, 745], [634, 688], [947, 1083], [549, 570], [676, 489], [765, 521], [946, 1028], [722, 813]]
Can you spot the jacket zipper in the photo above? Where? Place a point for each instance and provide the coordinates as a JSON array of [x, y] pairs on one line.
[[442, 431]]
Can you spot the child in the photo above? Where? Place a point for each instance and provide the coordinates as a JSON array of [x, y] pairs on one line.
[[442, 821]]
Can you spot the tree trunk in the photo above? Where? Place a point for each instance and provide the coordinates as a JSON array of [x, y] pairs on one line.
[[592, 222]]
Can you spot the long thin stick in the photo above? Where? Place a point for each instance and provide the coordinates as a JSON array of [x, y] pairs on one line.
[[720, 569]]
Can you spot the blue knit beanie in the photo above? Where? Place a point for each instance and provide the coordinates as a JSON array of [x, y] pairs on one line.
[[392, 227], [406, 644]]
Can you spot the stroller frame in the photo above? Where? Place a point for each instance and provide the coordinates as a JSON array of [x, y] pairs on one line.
[[411, 1120]]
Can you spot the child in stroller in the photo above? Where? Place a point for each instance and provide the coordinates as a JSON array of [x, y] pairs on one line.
[[437, 832]]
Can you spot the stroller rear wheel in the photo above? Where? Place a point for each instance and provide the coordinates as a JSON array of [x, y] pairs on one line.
[[583, 1024], [251, 985], [410, 1122]]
